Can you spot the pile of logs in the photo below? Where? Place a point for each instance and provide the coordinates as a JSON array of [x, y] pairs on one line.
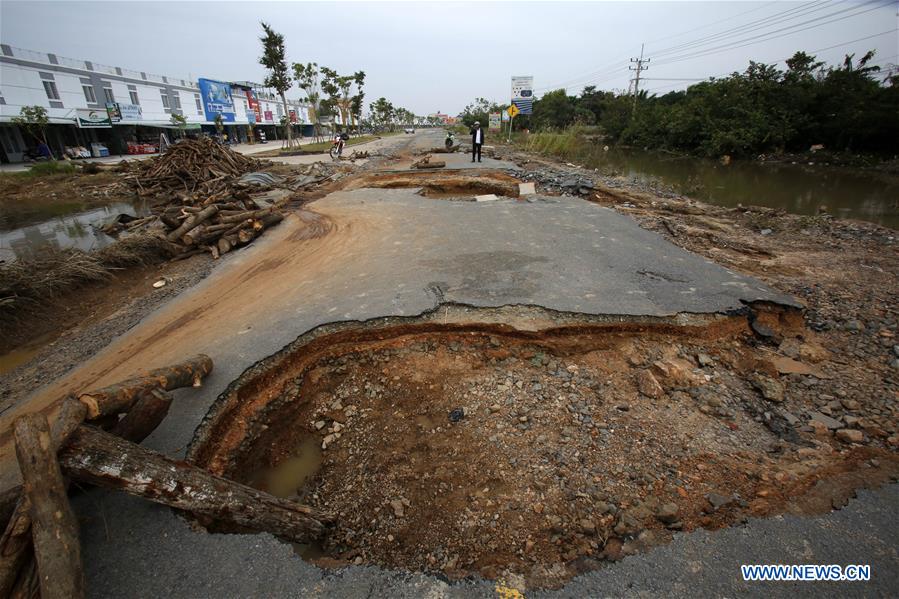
[[216, 225], [94, 439], [197, 198], [199, 166]]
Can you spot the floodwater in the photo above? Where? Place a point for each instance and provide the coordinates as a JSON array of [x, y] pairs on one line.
[[287, 478], [24, 235], [9, 361], [797, 188]]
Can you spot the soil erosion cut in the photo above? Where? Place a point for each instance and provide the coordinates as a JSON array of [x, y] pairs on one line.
[[458, 443]]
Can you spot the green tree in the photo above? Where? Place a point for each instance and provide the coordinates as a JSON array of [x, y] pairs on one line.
[[180, 122], [34, 120], [340, 90], [307, 77], [274, 59], [555, 110], [382, 114]]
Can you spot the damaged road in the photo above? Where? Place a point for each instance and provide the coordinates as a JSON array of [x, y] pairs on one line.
[[357, 256]]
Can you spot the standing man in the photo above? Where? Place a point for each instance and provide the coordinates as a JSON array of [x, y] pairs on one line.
[[477, 140]]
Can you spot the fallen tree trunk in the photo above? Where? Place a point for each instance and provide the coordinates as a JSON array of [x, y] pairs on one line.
[[119, 397], [144, 416], [15, 544], [95, 457], [54, 529]]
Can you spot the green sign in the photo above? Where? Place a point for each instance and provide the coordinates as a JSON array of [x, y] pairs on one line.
[[92, 119]]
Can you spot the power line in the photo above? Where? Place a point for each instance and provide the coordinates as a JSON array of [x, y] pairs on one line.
[[840, 45], [750, 41], [612, 71], [784, 16], [622, 63]]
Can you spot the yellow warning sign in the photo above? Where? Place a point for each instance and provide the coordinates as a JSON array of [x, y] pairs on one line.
[[513, 111]]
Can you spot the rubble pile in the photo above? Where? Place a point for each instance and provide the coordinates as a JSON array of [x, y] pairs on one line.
[[557, 182]]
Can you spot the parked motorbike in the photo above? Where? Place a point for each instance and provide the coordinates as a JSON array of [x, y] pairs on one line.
[[450, 140], [338, 145]]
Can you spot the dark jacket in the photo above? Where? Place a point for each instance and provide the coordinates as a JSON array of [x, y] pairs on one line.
[[483, 135]]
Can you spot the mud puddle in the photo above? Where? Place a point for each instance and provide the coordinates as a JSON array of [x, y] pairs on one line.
[[481, 449]]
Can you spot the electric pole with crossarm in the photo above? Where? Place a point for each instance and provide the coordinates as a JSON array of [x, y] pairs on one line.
[[639, 68]]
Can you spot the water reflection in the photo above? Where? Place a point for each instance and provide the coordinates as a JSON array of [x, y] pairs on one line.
[[80, 230], [799, 188]]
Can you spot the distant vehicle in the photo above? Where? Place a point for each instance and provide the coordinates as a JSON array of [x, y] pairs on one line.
[[409, 130]]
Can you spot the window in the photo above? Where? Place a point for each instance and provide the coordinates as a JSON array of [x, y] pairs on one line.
[[89, 94], [176, 100], [50, 88], [280, 110], [199, 104], [134, 99], [165, 99], [107, 91]]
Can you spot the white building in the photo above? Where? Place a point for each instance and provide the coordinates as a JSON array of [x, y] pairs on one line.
[[89, 103]]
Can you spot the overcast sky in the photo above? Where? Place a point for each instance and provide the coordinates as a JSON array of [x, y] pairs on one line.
[[439, 56]]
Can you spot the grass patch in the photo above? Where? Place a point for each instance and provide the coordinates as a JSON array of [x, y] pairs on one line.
[[29, 284], [45, 169], [568, 144]]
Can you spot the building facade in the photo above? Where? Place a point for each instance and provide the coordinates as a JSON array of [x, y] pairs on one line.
[[101, 108]]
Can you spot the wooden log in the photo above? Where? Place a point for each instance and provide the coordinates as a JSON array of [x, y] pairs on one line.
[[272, 219], [430, 164], [15, 544], [119, 397], [144, 416], [192, 222], [233, 218], [170, 221], [224, 244], [241, 225], [245, 236], [102, 459], [54, 530]]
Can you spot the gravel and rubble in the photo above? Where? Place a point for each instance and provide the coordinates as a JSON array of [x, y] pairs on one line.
[[478, 454]]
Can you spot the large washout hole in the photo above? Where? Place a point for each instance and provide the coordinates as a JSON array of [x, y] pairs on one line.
[[442, 184], [457, 444]]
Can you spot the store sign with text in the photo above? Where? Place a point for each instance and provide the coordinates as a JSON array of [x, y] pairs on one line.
[[216, 97], [87, 118], [124, 112]]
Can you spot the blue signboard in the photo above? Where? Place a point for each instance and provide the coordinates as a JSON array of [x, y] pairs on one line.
[[217, 100]]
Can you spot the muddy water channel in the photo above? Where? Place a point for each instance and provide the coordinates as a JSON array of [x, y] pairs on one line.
[[27, 231], [797, 188]]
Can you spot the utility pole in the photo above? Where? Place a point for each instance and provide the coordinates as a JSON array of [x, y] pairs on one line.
[[639, 69]]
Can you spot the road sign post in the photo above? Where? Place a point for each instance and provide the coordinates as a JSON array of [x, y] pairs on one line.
[[513, 112]]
